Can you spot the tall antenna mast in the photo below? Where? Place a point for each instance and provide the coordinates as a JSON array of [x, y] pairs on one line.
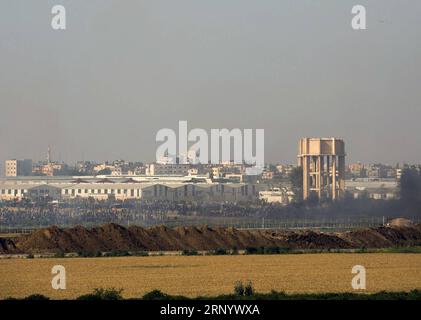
[[49, 155]]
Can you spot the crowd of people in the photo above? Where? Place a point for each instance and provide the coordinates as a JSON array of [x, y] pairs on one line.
[[27, 214], [88, 212]]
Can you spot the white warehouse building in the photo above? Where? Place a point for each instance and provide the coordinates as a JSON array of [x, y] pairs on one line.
[[148, 188]]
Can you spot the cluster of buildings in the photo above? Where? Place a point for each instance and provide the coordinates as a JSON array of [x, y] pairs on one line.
[[373, 171], [378, 189], [374, 181], [225, 171], [171, 188], [122, 180], [322, 160]]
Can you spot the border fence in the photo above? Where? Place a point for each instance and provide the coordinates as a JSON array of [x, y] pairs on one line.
[[321, 224]]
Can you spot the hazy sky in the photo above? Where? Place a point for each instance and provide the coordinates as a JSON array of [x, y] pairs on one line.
[[125, 69]]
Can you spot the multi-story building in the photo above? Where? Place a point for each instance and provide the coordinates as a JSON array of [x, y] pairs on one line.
[[356, 170], [16, 168], [170, 169], [102, 167], [267, 175], [282, 196], [85, 167], [49, 169]]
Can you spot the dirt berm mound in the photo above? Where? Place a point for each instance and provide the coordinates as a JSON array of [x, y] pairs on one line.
[[111, 237], [383, 237]]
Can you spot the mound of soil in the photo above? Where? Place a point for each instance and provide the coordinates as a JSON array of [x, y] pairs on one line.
[[316, 240], [383, 237], [112, 237]]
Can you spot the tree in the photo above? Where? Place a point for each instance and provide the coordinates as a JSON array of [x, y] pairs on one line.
[[410, 186], [296, 180]]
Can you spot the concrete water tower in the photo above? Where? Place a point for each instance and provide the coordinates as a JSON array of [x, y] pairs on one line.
[[323, 163]]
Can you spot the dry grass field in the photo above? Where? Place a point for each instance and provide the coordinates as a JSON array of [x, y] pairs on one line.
[[210, 275]]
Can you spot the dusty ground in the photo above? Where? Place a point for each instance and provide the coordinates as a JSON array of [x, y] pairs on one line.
[[211, 275]]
